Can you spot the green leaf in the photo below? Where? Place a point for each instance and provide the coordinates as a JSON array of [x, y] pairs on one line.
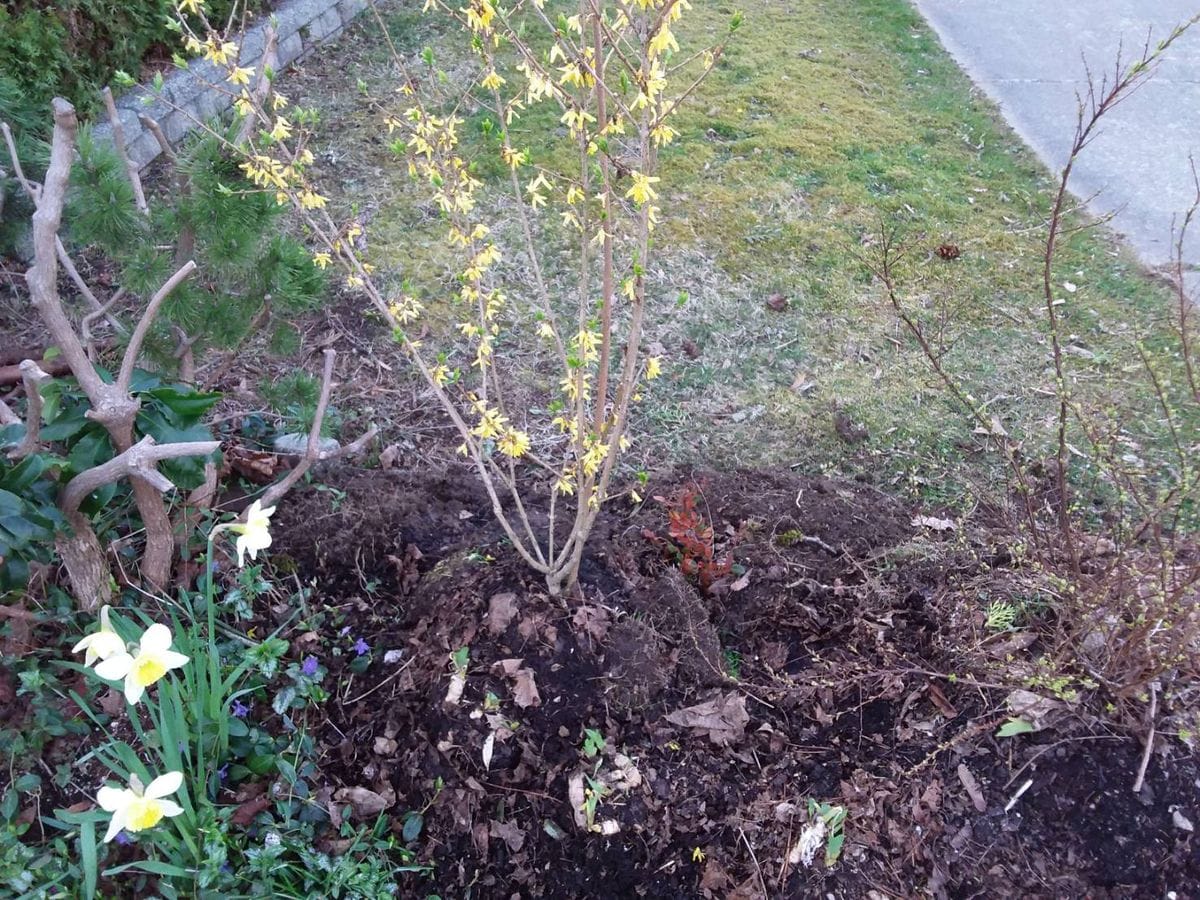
[[261, 763], [151, 866], [87, 854], [1013, 727], [833, 848], [186, 405], [413, 823], [10, 504]]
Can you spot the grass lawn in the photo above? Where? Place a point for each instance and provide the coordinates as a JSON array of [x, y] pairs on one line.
[[825, 122]]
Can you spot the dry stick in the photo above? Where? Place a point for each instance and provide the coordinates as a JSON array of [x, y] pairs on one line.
[[64, 258], [33, 378], [131, 169], [276, 491], [7, 416], [129, 360], [86, 323], [112, 405], [1141, 775]]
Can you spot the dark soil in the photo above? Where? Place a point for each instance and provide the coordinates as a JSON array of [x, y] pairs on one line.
[[840, 661]]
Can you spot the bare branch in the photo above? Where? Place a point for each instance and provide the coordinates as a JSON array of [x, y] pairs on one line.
[[86, 323], [34, 191], [43, 275], [33, 377], [129, 360], [163, 144], [131, 170], [276, 491], [138, 462]]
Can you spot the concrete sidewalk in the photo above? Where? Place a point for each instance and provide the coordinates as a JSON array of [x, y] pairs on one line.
[[1029, 57]]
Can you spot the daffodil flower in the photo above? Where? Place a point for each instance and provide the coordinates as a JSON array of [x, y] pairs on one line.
[[100, 644], [153, 660], [254, 534], [136, 808]]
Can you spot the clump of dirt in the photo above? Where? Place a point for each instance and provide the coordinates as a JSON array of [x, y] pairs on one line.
[[645, 739]]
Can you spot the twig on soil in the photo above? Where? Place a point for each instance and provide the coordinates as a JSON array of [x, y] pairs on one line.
[[1049, 747], [757, 868], [1141, 775], [1017, 796], [368, 693]]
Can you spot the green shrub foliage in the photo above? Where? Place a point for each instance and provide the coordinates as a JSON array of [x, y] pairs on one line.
[[245, 264]]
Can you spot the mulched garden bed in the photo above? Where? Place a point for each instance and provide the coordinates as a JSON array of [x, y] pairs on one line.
[[840, 660]]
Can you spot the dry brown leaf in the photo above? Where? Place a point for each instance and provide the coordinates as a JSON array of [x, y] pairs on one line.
[[364, 802], [502, 609], [489, 747], [577, 798], [525, 692], [723, 719], [385, 746], [972, 786], [592, 621], [508, 832], [777, 302], [245, 813], [945, 707]]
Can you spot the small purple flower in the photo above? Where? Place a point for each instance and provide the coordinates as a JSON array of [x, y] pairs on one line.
[[345, 631], [223, 772], [239, 709], [361, 647], [123, 839], [309, 667]]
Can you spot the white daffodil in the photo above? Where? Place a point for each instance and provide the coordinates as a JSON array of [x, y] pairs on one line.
[[100, 644], [136, 808], [153, 660], [254, 534]]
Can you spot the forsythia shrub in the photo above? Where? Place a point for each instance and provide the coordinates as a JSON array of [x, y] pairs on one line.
[[608, 71]]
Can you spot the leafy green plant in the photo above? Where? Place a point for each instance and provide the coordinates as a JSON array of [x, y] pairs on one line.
[[833, 818], [593, 742], [73, 443], [1001, 615]]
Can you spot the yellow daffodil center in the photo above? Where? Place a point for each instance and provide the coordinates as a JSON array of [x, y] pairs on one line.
[[143, 814], [146, 671]]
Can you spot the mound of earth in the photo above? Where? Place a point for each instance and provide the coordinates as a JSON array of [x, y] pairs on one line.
[[647, 739]]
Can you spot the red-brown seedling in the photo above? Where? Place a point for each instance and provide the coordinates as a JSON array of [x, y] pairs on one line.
[[691, 541]]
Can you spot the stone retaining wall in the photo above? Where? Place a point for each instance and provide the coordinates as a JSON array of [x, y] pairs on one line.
[[302, 25]]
